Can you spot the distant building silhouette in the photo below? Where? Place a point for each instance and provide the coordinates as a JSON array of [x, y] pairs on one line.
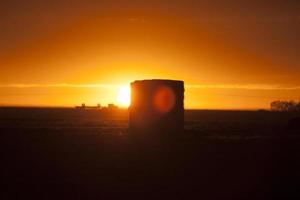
[[112, 106], [157, 106], [84, 107]]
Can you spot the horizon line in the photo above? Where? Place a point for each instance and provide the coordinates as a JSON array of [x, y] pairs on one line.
[[126, 108], [189, 86]]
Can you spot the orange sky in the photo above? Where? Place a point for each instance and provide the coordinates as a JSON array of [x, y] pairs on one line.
[[230, 55]]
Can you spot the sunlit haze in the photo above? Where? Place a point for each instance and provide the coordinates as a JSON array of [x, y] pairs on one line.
[[231, 55], [124, 96]]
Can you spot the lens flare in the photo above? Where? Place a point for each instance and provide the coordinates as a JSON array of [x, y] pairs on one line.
[[164, 99]]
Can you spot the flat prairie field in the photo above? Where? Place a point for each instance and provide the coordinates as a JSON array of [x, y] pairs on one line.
[[65, 153]]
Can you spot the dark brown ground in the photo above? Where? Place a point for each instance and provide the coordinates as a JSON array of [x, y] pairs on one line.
[[75, 154]]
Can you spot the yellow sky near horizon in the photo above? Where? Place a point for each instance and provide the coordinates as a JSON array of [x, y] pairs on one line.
[[196, 96], [230, 55]]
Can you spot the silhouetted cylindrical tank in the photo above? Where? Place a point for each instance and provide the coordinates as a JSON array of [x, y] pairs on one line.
[[157, 106]]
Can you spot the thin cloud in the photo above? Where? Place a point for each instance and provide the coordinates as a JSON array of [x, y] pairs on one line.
[[244, 87], [60, 85], [188, 86]]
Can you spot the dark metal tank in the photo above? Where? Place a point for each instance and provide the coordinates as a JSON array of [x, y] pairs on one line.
[[157, 106]]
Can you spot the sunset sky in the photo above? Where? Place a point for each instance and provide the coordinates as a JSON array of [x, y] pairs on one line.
[[231, 54]]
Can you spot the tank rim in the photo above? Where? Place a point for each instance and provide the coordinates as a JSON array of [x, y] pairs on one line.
[[158, 80]]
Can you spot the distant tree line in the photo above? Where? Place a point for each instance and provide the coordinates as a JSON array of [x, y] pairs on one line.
[[285, 106]]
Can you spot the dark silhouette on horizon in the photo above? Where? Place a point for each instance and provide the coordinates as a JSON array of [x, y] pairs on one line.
[[285, 106], [109, 106], [157, 106]]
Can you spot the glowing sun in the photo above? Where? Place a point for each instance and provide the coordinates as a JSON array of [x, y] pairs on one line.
[[123, 97]]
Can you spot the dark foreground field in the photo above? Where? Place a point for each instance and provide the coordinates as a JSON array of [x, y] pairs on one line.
[[77, 154]]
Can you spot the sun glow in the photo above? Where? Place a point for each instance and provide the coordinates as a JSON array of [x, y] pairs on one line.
[[123, 97]]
